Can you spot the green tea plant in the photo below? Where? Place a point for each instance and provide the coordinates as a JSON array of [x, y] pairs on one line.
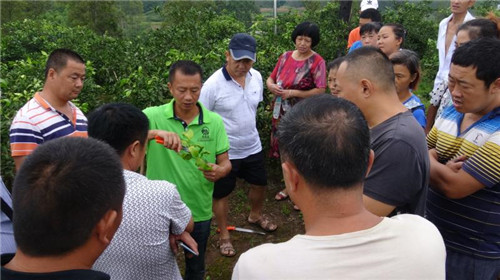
[[191, 150], [134, 68]]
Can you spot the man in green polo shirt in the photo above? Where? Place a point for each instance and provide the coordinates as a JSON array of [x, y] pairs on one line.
[[185, 113]]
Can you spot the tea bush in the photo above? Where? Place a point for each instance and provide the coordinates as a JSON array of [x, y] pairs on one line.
[[134, 69]]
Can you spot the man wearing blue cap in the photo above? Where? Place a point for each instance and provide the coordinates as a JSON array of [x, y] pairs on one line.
[[234, 92]]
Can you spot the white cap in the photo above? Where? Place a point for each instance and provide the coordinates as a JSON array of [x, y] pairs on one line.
[[369, 4]]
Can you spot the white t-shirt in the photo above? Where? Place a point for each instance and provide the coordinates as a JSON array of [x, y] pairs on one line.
[[238, 108], [140, 248], [402, 247], [445, 59]]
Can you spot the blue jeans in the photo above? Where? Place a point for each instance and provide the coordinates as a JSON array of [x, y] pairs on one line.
[[460, 266], [195, 266]]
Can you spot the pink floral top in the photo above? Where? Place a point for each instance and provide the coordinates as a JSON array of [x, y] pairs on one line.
[[295, 74], [300, 74]]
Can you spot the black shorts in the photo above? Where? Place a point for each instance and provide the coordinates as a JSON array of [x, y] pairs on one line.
[[250, 169]]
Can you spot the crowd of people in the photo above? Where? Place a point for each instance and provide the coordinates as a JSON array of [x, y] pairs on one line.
[[385, 190]]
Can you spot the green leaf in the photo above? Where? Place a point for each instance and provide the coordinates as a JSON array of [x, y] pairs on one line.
[[195, 151], [123, 81], [185, 155], [201, 163], [204, 153], [207, 167], [188, 134], [3, 83]]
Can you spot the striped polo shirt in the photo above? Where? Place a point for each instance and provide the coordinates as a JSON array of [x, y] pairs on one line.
[[470, 225], [37, 121]]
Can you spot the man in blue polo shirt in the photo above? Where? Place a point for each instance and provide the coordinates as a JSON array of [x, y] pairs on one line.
[[234, 92], [464, 201]]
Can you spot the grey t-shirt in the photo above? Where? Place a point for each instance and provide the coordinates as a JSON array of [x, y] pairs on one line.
[[401, 170]]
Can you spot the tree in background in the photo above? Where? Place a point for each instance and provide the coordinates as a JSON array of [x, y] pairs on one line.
[[133, 67], [204, 31], [484, 6], [132, 19], [242, 10], [19, 10], [422, 28], [100, 16], [175, 12], [151, 5], [345, 10], [311, 6]]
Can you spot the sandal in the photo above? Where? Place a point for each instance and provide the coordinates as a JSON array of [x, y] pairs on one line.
[[264, 222], [226, 248], [281, 195], [295, 207]]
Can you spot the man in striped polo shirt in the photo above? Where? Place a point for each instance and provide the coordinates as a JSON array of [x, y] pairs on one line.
[[464, 202], [50, 113]]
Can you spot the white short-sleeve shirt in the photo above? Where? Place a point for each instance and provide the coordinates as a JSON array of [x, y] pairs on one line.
[[238, 108], [402, 247], [445, 59]]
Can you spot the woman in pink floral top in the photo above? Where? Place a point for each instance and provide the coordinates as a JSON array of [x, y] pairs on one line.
[[298, 74]]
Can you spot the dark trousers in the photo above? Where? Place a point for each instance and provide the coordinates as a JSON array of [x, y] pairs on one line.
[[195, 266]]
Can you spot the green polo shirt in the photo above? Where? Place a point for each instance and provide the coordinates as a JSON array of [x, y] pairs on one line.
[[165, 164]]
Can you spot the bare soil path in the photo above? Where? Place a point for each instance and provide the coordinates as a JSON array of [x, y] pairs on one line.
[[289, 224]]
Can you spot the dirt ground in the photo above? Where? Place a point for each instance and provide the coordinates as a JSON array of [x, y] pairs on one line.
[[289, 224]]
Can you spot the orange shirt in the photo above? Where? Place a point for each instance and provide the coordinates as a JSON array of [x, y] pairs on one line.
[[353, 37]]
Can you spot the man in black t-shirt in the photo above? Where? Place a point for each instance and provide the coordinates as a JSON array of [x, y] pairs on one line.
[[398, 180], [67, 206]]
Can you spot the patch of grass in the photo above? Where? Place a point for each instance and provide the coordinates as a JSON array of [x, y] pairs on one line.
[[213, 229], [237, 209], [241, 193], [285, 209], [241, 198], [252, 242], [219, 269], [289, 224]]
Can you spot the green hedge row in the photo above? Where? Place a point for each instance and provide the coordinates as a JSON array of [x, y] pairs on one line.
[[135, 70]]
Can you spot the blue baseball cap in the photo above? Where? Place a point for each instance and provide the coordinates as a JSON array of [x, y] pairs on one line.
[[243, 46]]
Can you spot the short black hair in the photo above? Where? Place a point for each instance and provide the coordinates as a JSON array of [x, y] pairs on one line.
[[62, 190], [370, 27], [398, 30], [410, 60], [327, 139], [481, 28], [482, 54], [334, 64], [308, 29], [372, 14], [59, 58], [119, 125], [371, 63], [187, 67]]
